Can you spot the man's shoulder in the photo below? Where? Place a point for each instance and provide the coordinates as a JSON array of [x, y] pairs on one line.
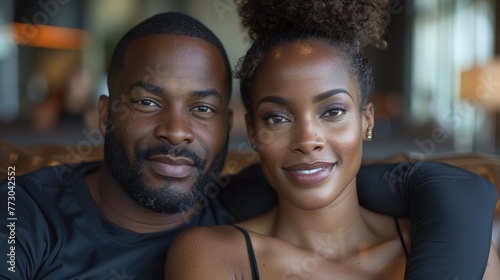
[[41, 193], [53, 175], [36, 202]]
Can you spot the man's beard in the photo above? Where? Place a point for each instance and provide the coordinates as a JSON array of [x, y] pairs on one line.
[[164, 199]]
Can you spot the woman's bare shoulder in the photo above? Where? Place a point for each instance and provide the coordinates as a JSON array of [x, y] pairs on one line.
[[205, 239], [200, 252]]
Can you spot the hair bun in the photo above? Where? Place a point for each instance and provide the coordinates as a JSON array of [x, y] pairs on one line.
[[355, 21]]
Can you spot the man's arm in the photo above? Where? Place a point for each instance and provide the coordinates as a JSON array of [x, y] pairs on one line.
[[451, 212], [22, 232]]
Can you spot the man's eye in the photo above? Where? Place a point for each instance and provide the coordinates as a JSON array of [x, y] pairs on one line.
[[203, 109], [146, 102]]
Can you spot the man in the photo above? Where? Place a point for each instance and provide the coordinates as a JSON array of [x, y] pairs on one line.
[[166, 125]]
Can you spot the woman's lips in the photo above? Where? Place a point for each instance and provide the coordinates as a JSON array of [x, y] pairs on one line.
[[175, 167], [309, 173]]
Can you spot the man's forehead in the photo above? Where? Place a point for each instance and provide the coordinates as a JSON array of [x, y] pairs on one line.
[[156, 72], [158, 57], [162, 60], [170, 46]]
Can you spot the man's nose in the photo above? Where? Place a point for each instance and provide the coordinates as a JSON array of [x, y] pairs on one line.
[[175, 127]]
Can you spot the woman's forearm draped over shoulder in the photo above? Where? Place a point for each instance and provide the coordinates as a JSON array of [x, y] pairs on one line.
[[451, 212]]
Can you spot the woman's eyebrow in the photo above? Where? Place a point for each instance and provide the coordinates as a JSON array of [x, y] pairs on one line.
[[329, 93], [317, 98], [273, 99]]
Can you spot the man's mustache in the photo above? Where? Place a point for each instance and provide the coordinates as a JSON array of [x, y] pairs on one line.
[[146, 153]]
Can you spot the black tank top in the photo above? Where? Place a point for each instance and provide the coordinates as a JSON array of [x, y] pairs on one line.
[[253, 260], [251, 254]]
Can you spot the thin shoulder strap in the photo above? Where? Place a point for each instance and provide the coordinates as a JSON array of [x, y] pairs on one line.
[[401, 238], [251, 254]]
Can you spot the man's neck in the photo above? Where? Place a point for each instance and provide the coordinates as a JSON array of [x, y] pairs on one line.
[[118, 207]]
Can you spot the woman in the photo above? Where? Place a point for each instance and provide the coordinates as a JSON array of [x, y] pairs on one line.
[[305, 86]]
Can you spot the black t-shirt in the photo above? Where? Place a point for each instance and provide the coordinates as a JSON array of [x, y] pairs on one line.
[[59, 232]]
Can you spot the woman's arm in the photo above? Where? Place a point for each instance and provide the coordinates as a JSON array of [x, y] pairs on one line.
[[493, 267], [451, 211]]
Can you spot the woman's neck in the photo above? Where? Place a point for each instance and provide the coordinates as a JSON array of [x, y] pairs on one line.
[[337, 230]]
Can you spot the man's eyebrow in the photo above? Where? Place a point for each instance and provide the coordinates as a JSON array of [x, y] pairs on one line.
[[158, 89], [329, 93], [207, 93], [148, 87], [273, 99]]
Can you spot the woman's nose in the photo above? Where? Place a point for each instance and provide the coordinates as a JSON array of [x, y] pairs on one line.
[[307, 138]]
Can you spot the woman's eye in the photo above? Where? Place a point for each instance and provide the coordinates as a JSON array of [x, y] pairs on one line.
[[334, 112], [275, 119]]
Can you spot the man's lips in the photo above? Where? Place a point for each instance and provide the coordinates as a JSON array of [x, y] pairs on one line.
[[309, 173], [168, 166]]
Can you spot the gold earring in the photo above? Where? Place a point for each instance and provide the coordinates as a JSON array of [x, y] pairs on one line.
[[369, 134]]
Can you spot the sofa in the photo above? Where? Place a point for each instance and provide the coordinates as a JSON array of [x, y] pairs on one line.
[[29, 158]]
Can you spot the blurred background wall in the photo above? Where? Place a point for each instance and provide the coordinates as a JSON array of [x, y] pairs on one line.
[[437, 82]]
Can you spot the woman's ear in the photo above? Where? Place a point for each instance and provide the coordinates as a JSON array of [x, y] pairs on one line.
[[103, 107], [368, 120], [230, 116], [251, 131]]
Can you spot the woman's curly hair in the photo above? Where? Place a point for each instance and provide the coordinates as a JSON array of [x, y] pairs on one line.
[[348, 25]]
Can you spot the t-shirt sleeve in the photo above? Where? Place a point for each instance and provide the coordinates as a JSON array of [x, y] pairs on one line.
[[451, 212], [247, 194], [377, 186], [25, 238]]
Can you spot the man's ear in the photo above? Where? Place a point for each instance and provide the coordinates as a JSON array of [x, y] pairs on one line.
[[103, 107], [368, 119]]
